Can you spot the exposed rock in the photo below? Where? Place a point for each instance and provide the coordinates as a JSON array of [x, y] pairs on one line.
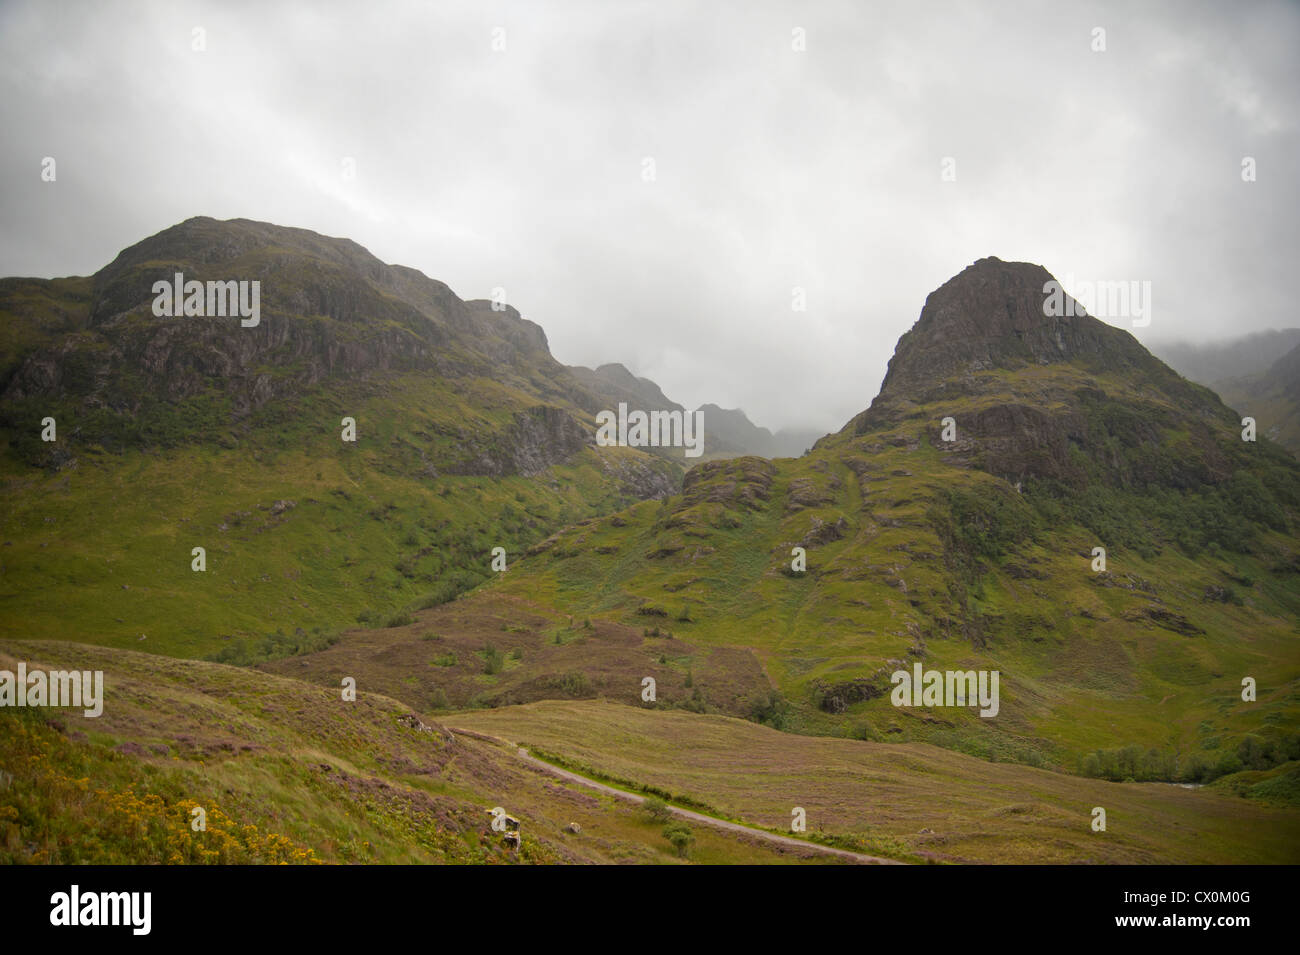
[[822, 532]]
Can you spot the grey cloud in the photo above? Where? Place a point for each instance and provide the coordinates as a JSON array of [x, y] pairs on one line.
[[775, 169]]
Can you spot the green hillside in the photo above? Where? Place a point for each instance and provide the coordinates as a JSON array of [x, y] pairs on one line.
[[924, 550], [177, 433], [953, 524]]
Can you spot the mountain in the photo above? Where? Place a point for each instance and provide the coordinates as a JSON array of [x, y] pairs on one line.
[[1250, 377], [1219, 361], [733, 429], [227, 431], [641, 627], [615, 383], [727, 432], [975, 553], [230, 434], [1034, 389]]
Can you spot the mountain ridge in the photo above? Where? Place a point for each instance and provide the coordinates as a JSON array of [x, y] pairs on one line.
[[333, 310]]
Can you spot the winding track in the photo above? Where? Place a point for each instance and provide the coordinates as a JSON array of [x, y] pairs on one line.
[[680, 813]]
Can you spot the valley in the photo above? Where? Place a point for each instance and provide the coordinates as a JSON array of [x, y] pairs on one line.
[[1032, 502]]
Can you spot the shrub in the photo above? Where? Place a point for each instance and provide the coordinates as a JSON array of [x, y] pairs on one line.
[[771, 709], [656, 809], [680, 835], [575, 684]]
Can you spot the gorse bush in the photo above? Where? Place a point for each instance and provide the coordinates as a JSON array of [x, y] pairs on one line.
[[772, 709], [57, 816], [575, 684]]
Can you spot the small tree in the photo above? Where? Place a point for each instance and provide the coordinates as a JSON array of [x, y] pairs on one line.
[[657, 809], [680, 835]]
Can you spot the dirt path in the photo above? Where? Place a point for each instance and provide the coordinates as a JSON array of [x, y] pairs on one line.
[[679, 813]]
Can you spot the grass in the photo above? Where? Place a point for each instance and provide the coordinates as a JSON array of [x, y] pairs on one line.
[[286, 772], [879, 796]]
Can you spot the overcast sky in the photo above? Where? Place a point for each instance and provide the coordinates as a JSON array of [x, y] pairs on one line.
[[774, 168]]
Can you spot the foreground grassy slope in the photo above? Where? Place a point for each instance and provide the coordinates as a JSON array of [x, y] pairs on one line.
[[907, 800], [286, 772]]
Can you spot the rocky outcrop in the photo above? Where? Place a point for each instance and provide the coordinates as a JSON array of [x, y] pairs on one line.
[[741, 482], [981, 328]]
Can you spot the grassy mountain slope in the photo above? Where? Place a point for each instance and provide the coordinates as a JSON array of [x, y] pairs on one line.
[[964, 543], [924, 549], [176, 433]]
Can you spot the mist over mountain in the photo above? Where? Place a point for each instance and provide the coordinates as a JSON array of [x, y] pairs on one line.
[[733, 427], [1219, 361], [1250, 376], [800, 434]]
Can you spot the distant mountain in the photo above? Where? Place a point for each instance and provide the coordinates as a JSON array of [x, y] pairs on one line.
[[727, 432], [1250, 377], [733, 429], [615, 383], [1232, 358]]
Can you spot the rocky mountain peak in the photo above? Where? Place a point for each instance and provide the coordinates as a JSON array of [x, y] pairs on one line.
[[991, 315]]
